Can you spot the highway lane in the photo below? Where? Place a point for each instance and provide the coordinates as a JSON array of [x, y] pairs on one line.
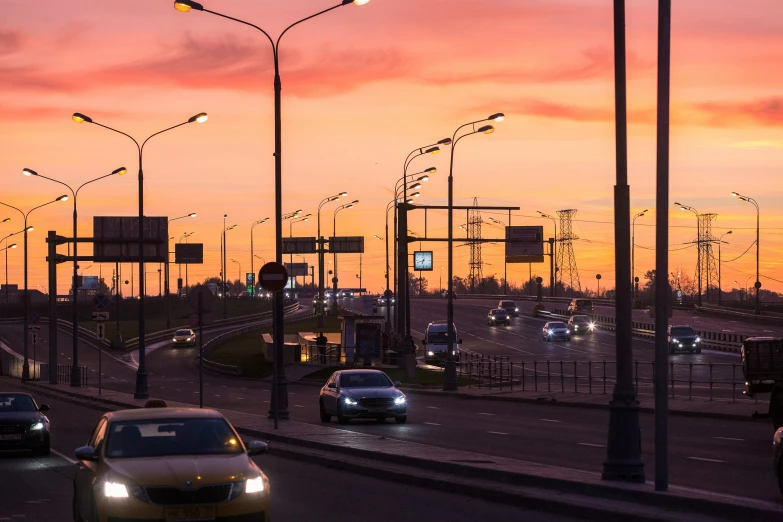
[[42, 486]]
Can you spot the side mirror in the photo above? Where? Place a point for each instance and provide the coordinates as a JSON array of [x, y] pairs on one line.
[[256, 447], [86, 453], [43, 407], [459, 342], [331, 385], [397, 384]]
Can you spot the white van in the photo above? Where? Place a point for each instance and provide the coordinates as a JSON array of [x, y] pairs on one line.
[[436, 342]]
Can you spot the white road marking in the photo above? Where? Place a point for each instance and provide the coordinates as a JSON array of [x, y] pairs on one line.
[[216, 395], [240, 398], [729, 438], [298, 406], [433, 407], [69, 459], [266, 401], [498, 433], [492, 414], [550, 420], [708, 460], [432, 424], [591, 445]]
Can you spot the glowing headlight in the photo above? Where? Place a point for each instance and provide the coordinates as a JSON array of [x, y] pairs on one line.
[[516, 309], [349, 401], [430, 353], [115, 490], [190, 339], [255, 485], [698, 339], [174, 340], [399, 400], [592, 326], [549, 332], [576, 327], [37, 426]]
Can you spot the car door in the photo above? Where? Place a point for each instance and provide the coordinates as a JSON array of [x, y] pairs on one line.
[[330, 396], [86, 470]]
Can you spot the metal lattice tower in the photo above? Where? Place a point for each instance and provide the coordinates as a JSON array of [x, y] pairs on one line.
[[709, 264], [566, 260], [474, 240]]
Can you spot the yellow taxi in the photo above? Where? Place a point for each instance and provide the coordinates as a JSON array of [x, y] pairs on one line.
[[169, 464]]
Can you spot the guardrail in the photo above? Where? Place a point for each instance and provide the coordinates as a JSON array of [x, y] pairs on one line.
[[64, 374], [712, 380], [776, 319], [544, 299], [725, 342]]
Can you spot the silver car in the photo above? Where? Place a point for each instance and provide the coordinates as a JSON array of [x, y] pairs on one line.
[[184, 338], [555, 330], [362, 394]]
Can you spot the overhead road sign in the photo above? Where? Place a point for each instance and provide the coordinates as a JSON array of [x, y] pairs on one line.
[[299, 245], [346, 245], [297, 269], [189, 253], [116, 239], [525, 244]]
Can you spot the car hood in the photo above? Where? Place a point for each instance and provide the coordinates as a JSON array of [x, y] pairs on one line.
[[684, 337], [17, 417], [558, 328], [175, 471], [371, 393], [183, 336]]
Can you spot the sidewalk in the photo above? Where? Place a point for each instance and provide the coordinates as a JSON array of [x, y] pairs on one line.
[[468, 466]]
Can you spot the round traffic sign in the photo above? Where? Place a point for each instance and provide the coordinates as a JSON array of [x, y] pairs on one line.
[[100, 302], [757, 285], [388, 294], [334, 280], [273, 277], [598, 276], [34, 318], [206, 298]]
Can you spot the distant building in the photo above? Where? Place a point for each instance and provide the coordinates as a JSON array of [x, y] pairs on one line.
[[13, 295]]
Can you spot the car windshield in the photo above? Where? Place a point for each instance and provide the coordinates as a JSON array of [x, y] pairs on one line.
[[182, 332], [171, 437], [581, 319], [556, 325], [16, 402], [683, 331], [507, 304], [498, 312], [364, 380], [439, 337], [583, 302]]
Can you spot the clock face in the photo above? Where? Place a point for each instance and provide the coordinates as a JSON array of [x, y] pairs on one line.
[[422, 260]]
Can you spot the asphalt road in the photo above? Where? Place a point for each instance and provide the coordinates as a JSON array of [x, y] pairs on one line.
[[40, 488]]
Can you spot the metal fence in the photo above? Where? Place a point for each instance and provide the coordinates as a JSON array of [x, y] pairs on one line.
[[708, 380], [64, 374]]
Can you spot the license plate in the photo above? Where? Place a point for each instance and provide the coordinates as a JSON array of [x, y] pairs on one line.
[[11, 437], [189, 513]]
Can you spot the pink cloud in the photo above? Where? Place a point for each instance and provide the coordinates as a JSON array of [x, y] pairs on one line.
[[766, 112]]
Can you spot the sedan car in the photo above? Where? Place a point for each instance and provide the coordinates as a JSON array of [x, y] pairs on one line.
[[554, 330], [184, 338], [510, 307], [362, 394], [580, 325], [777, 457], [168, 464], [683, 339], [498, 316], [23, 426]]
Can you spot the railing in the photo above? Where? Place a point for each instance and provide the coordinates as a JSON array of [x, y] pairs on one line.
[[708, 380], [64, 374]]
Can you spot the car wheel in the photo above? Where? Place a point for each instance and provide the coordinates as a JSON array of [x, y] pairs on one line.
[[340, 418], [325, 417], [401, 419]]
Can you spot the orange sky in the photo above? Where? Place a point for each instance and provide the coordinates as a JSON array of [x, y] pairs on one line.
[[362, 86]]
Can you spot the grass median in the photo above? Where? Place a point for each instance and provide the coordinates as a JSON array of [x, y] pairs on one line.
[[247, 351]]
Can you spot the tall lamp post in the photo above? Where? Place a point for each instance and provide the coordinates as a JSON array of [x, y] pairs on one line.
[[720, 288], [552, 276], [450, 370], [334, 233], [239, 268], [167, 291], [186, 236], [75, 375], [252, 255], [141, 374], [26, 364], [505, 264], [6, 249], [321, 251], [758, 229], [306, 217], [633, 247], [698, 246], [279, 401], [223, 263]]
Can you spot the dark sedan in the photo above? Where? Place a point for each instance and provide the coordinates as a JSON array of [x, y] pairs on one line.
[[362, 394], [23, 426], [684, 339], [498, 316], [554, 330], [581, 325]]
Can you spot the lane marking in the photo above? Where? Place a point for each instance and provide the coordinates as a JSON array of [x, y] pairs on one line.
[[498, 433], [432, 424], [707, 460], [240, 398], [729, 438], [492, 414], [69, 459], [591, 445], [550, 420], [433, 407], [298, 406], [216, 395]]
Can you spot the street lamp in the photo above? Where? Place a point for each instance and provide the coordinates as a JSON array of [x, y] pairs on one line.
[[26, 229], [279, 402], [167, 277], [252, 256], [334, 233], [306, 217], [450, 377], [223, 263], [239, 268], [7, 248], [505, 273], [186, 236], [141, 374], [552, 276], [698, 246], [758, 221], [633, 247], [320, 243], [75, 375], [720, 288]]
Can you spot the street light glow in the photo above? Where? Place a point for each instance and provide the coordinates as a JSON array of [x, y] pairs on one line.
[[445, 141], [62, 198], [120, 171], [342, 194], [415, 186], [78, 117], [13, 245], [185, 6], [415, 194], [497, 117], [6, 220], [431, 170], [432, 150], [30, 228], [201, 117], [29, 172], [357, 2], [487, 129], [192, 215]]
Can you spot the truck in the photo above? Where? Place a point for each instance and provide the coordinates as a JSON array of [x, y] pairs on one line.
[[762, 367]]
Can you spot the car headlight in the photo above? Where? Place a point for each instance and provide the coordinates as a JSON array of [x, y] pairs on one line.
[[516, 309], [679, 343], [698, 339], [37, 426], [115, 490], [254, 485], [349, 401], [399, 400], [190, 339], [174, 340], [549, 332], [430, 353]]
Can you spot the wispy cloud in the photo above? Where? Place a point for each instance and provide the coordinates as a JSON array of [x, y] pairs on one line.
[[764, 111]]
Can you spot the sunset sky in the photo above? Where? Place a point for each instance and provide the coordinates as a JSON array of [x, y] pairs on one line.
[[362, 87]]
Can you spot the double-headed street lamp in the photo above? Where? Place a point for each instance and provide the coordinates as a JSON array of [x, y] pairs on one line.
[[252, 255], [279, 403], [306, 217], [141, 374], [554, 274], [633, 248], [320, 243], [167, 277], [26, 229], [698, 245], [334, 234], [223, 264], [75, 375], [6, 249], [720, 288], [758, 229], [450, 377], [239, 268]]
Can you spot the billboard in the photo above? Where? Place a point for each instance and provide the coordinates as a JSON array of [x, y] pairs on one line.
[[250, 281], [297, 269], [189, 253], [346, 245], [87, 282], [299, 245], [525, 244], [117, 239], [422, 260]]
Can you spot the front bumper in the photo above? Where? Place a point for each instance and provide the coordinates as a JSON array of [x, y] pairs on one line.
[[500, 321], [685, 346], [245, 508], [558, 336], [583, 331], [30, 440], [184, 342], [361, 412], [432, 357]]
